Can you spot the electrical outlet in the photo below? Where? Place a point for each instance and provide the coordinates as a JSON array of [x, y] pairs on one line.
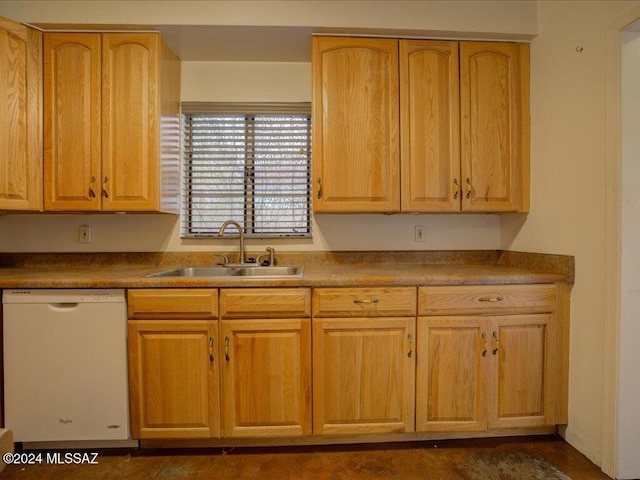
[[419, 233], [85, 233]]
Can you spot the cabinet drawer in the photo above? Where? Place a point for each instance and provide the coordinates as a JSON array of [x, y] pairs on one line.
[[364, 302], [265, 303], [179, 303], [482, 299]]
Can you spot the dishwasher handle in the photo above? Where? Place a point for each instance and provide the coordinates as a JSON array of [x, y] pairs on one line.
[[63, 305]]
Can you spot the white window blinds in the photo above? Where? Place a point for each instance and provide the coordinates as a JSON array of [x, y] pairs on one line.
[[248, 163]]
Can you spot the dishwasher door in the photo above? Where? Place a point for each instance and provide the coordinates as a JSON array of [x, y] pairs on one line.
[[65, 365]]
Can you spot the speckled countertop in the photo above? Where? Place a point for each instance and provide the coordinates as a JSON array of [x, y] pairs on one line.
[[131, 270]]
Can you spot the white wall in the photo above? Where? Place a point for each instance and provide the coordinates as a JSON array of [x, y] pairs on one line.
[[568, 187], [628, 461], [246, 82], [152, 233]]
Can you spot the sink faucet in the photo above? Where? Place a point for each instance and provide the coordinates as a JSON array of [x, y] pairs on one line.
[[240, 232]]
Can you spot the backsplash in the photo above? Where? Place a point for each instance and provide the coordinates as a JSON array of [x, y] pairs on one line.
[[158, 233]]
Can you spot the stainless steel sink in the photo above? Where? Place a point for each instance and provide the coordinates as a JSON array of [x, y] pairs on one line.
[[195, 272], [275, 271], [234, 271]]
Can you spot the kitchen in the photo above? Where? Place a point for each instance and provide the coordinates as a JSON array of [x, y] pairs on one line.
[[569, 166]]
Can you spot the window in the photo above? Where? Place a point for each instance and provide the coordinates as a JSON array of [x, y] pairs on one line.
[[248, 163]]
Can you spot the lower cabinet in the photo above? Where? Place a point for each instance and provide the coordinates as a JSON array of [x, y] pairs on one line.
[[278, 362], [266, 362], [266, 378], [522, 377], [363, 375], [363, 360], [452, 373], [477, 373], [173, 364], [490, 371]]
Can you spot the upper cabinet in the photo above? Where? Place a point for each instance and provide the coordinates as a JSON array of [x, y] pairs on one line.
[[112, 128], [430, 126], [355, 125], [20, 117], [420, 126], [494, 106], [73, 154]]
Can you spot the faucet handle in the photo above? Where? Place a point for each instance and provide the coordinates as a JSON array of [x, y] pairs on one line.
[[272, 258]]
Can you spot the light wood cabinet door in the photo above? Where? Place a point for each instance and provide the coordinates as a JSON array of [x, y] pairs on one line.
[[452, 374], [173, 379], [112, 127], [266, 377], [355, 125], [130, 121], [363, 375], [494, 96], [430, 126], [20, 117], [72, 121], [478, 372], [522, 389]]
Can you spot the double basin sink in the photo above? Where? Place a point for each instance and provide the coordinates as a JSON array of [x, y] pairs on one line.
[[253, 271]]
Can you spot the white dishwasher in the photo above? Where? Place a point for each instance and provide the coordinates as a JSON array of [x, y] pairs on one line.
[[65, 364]]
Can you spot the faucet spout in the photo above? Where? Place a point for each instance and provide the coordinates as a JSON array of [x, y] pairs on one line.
[[240, 233]]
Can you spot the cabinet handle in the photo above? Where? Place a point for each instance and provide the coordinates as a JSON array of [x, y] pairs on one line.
[[319, 187], [470, 187], [410, 338], [491, 299], [496, 343], [373, 300], [486, 345], [226, 348], [457, 187], [92, 193], [211, 359], [105, 194]]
